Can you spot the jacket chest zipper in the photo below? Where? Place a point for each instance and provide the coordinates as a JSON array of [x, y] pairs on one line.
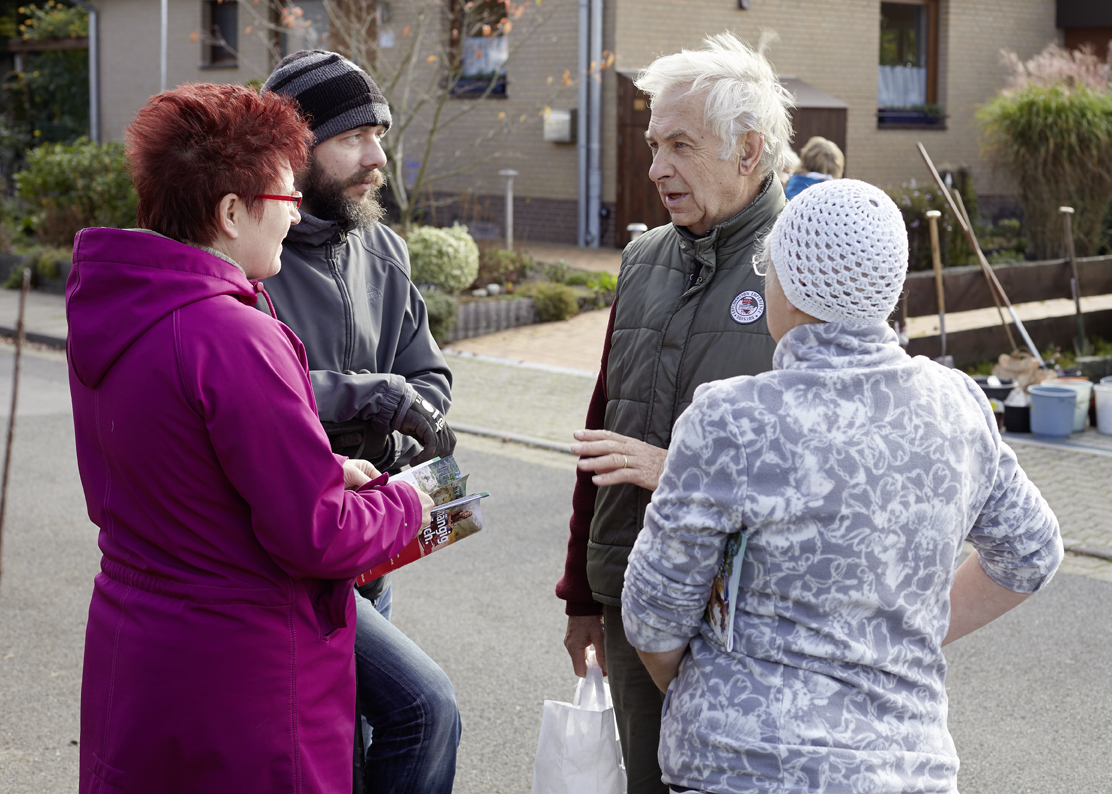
[[700, 284], [688, 294], [345, 299]]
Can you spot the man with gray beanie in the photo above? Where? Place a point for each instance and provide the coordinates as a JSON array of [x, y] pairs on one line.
[[381, 386]]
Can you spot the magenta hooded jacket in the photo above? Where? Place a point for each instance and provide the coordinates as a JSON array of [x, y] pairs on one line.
[[219, 648]]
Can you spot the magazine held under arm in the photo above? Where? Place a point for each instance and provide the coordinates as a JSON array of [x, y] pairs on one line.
[[455, 516], [723, 590]]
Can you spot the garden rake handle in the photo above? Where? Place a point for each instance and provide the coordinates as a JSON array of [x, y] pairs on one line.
[[1075, 282], [936, 261], [968, 230]]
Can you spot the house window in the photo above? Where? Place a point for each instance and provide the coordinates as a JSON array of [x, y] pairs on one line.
[[221, 41], [480, 48], [907, 75]]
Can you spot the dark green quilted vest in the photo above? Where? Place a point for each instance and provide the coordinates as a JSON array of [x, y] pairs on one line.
[[685, 317]]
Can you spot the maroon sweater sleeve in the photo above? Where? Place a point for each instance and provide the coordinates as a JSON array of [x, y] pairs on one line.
[[573, 588]]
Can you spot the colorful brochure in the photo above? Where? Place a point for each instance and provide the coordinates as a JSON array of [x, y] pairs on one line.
[[456, 515], [723, 591]]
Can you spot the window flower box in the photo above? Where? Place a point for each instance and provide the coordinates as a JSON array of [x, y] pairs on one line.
[[928, 116]]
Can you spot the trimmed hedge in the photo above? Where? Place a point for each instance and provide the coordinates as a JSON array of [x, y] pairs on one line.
[[447, 259]]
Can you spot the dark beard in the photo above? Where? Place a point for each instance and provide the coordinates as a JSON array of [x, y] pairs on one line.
[[327, 200]]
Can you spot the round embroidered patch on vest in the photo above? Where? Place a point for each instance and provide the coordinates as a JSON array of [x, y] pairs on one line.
[[747, 307]]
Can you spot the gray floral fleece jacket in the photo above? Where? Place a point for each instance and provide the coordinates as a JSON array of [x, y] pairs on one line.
[[857, 472]]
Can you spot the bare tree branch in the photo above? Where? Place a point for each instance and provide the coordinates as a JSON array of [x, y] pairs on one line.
[[422, 79]]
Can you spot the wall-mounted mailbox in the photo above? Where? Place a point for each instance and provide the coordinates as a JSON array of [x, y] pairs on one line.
[[560, 125]]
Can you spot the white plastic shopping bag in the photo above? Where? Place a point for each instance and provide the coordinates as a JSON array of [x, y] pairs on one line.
[[578, 751]]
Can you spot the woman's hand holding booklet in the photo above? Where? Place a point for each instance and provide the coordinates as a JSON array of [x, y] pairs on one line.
[[454, 516]]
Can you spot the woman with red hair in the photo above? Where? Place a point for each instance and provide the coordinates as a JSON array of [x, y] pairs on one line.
[[219, 648]]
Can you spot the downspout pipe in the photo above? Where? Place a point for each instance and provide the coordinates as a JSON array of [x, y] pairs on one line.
[[94, 70], [594, 134], [582, 118]]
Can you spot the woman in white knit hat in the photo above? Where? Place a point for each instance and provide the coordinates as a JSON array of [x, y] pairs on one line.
[[854, 473]]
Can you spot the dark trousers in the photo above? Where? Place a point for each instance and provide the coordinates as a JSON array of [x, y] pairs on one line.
[[408, 703], [637, 705]]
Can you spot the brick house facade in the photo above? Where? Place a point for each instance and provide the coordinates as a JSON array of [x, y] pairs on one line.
[[831, 46]]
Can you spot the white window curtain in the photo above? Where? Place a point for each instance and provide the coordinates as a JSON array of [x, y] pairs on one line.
[[901, 86], [485, 55]]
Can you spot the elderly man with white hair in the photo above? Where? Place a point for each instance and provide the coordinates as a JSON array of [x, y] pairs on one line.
[[689, 310]]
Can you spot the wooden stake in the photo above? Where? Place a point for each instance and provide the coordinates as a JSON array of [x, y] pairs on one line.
[[11, 417], [1081, 344]]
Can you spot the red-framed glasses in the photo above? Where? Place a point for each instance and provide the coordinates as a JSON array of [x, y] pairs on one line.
[[295, 199]]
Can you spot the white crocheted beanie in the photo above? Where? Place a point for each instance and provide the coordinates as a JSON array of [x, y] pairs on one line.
[[840, 252]]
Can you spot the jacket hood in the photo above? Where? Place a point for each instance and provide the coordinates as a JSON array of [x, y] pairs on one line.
[[124, 282], [313, 231]]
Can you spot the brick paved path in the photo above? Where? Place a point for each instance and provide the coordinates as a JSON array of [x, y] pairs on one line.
[[542, 400], [1077, 487]]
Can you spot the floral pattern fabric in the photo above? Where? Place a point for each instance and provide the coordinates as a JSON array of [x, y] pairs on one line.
[[857, 472]]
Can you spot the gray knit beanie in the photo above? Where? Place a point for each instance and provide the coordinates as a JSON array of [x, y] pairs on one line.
[[333, 93]]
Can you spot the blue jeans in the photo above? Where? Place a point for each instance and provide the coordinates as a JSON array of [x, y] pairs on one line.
[[408, 703]]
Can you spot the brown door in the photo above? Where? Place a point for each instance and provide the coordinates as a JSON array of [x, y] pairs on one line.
[[638, 200], [830, 123]]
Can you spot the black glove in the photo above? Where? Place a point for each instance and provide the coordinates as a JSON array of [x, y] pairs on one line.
[[356, 439], [423, 422]]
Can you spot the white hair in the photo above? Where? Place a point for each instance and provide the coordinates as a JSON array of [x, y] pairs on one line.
[[741, 93]]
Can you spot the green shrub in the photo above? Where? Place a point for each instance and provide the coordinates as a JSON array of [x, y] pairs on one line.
[[553, 301], [603, 282], [49, 100], [557, 271], [1051, 128], [578, 278], [914, 201], [53, 21], [444, 258], [45, 263], [68, 188], [1004, 242], [54, 262], [443, 309], [499, 266], [605, 287]]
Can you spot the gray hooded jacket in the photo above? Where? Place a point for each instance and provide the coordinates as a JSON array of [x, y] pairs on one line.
[[349, 299]]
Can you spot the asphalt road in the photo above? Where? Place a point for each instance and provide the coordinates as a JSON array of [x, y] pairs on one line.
[[1030, 701]]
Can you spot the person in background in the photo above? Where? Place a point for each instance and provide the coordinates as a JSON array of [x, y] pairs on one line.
[[791, 165], [218, 652], [820, 161], [855, 473], [689, 310], [382, 389]]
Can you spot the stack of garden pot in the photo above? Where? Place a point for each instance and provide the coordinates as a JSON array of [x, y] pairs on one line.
[[1053, 408]]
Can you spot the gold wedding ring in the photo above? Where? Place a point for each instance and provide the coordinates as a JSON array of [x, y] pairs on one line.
[[625, 465]]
